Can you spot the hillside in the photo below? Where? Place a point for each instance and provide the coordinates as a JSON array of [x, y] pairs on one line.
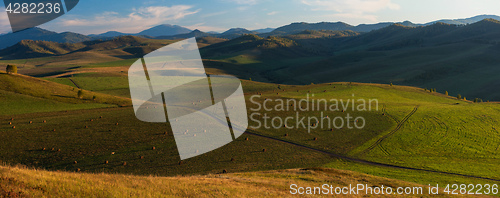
[[39, 34], [23, 93], [18, 181]]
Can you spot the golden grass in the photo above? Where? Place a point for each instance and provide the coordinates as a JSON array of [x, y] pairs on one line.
[[25, 182]]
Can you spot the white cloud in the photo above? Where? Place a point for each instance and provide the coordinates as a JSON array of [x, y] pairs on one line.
[[272, 13], [358, 9], [244, 2], [138, 20]]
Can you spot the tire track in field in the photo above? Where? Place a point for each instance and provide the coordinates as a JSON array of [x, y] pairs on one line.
[[358, 160], [400, 124]]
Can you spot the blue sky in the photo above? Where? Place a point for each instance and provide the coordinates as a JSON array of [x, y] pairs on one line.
[[132, 16]]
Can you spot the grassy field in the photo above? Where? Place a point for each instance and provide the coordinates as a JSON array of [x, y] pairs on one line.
[[18, 181], [56, 131]]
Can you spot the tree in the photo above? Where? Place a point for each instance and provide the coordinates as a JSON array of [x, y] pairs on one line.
[[391, 84], [459, 96], [11, 69], [80, 93]]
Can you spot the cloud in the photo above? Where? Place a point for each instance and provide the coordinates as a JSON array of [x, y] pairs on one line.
[[359, 9], [139, 19], [272, 13], [244, 2]]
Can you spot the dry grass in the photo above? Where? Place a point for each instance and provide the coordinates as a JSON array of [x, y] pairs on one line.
[[24, 182]]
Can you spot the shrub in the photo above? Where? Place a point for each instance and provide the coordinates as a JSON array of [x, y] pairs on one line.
[[11, 69], [446, 93], [80, 93], [459, 96]]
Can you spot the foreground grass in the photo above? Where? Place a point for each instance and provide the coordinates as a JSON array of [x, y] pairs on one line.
[[23, 182]]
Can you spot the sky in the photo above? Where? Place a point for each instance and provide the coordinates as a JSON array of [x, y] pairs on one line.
[[132, 16]]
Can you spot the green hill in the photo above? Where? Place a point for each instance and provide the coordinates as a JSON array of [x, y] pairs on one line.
[[412, 128], [24, 94]]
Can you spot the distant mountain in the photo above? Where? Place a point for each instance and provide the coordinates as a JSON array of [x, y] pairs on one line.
[[240, 31], [109, 34], [32, 49], [265, 30], [466, 20], [164, 30], [39, 34], [195, 33], [299, 27]]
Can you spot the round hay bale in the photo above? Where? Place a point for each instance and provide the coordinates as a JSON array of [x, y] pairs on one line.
[[246, 139], [142, 157], [124, 163], [13, 127], [315, 138], [264, 150], [10, 123], [116, 123], [224, 171], [43, 149], [78, 170], [232, 159], [180, 162], [286, 135], [31, 122], [45, 121], [154, 148], [106, 162], [58, 150], [75, 162]]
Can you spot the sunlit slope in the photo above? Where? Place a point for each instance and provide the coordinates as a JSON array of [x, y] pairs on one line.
[[24, 94]]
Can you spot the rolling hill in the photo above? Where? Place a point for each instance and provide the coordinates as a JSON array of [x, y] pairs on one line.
[[39, 34]]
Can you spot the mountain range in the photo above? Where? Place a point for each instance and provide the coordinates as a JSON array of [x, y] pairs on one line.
[[166, 31], [459, 59]]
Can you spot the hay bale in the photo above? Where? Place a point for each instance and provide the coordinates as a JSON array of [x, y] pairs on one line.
[[43, 149], [13, 127], [154, 148], [10, 123], [58, 150], [54, 130], [100, 116], [12, 119], [180, 162], [264, 150], [91, 120], [75, 162], [286, 135], [78, 170], [116, 124], [246, 139], [331, 129], [45, 121], [106, 162], [142, 157], [232, 159], [224, 171], [315, 138], [86, 127], [31, 122], [124, 163]]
